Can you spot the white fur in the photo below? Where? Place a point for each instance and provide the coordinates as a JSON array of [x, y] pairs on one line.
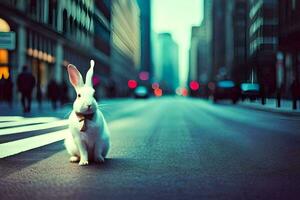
[[94, 143]]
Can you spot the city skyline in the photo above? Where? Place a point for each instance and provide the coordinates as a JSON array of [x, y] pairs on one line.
[[165, 13], [149, 99]]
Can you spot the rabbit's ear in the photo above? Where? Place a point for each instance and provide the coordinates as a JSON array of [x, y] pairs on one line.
[[75, 76], [89, 75]]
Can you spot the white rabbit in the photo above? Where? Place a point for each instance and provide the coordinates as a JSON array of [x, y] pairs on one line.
[[88, 138]]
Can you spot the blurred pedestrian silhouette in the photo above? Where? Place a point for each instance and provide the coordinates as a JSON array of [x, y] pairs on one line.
[[63, 93], [8, 91], [39, 96], [278, 97], [263, 93], [295, 89], [25, 83], [111, 89], [2, 85], [53, 92]]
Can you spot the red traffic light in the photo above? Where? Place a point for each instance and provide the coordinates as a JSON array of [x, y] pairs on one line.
[[158, 92], [132, 84], [194, 85], [144, 76]]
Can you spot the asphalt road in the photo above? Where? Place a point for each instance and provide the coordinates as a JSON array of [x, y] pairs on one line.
[[169, 148]]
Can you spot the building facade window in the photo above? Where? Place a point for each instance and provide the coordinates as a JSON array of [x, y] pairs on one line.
[[293, 4], [4, 55], [52, 13], [65, 22], [32, 8]]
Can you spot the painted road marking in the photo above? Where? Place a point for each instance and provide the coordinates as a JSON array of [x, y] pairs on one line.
[[18, 146], [27, 121], [36, 127]]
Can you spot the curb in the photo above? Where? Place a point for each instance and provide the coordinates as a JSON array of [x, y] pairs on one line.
[[270, 109]]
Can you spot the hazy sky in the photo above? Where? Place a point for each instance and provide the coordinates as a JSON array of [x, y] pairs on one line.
[[177, 17]]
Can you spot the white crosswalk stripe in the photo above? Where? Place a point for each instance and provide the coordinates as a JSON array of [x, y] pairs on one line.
[[11, 126], [10, 118], [36, 120], [35, 127], [20, 134], [18, 146]]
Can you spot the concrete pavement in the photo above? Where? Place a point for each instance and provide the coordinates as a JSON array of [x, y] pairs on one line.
[[170, 148]]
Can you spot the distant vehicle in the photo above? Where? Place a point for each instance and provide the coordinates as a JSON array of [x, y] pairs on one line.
[[226, 89], [250, 91], [141, 92]]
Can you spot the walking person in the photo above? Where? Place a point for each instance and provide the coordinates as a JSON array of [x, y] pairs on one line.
[[53, 93], [25, 83], [2, 91], [39, 96], [263, 93], [295, 89], [63, 93], [8, 91]]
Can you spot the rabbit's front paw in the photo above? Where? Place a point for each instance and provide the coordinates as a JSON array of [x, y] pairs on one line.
[[74, 159], [99, 159], [83, 162]]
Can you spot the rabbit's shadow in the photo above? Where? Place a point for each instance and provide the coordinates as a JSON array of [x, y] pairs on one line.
[[110, 164]]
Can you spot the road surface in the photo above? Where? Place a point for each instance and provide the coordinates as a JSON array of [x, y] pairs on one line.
[[166, 148]]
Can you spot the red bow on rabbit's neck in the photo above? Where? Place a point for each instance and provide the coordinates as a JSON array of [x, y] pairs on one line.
[[84, 118]]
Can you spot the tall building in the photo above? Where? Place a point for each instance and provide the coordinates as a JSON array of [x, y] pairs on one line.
[[194, 54], [145, 24], [102, 21], [241, 71], [49, 35], [289, 41], [218, 38], [205, 44], [200, 50], [125, 43], [263, 41], [229, 36], [156, 70], [168, 63], [222, 39], [102, 34]]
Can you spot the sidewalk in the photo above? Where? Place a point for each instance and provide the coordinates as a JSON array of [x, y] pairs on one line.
[[286, 106]]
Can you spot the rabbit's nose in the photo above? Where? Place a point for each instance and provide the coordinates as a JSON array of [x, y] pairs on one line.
[[89, 106]]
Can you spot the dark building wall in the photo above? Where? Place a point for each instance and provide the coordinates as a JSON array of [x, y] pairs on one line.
[[289, 24], [289, 40], [222, 39], [263, 42], [105, 8], [102, 26], [102, 34], [50, 34], [218, 37], [203, 37], [194, 56], [125, 43], [145, 24], [240, 70]]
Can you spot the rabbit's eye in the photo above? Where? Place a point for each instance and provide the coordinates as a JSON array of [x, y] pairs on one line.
[[79, 95]]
